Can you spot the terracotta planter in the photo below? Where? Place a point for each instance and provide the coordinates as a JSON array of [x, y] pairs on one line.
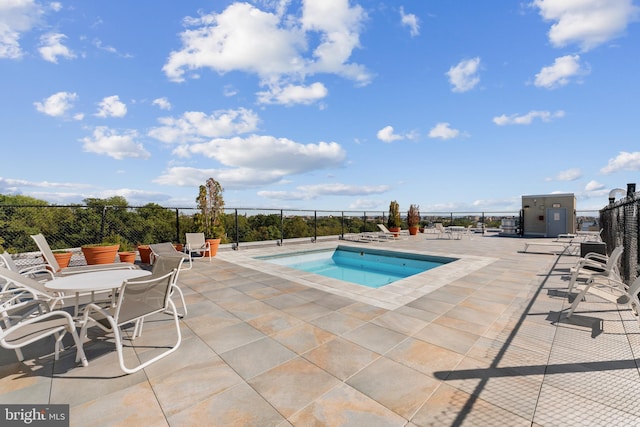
[[145, 254], [395, 231], [63, 258], [178, 246], [213, 243], [100, 254], [413, 230], [127, 256]]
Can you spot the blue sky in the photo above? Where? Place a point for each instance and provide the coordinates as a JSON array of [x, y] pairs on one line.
[[320, 104]]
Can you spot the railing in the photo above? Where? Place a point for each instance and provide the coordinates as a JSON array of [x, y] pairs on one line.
[[619, 222], [75, 225]]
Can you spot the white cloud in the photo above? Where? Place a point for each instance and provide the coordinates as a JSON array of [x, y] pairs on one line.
[[16, 17], [410, 20], [443, 131], [623, 161], [57, 104], [111, 106], [162, 103], [527, 119], [267, 153], [110, 143], [310, 192], [276, 47], [594, 186], [588, 23], [293, 94], [561, 72], [51, 47], [464, 76], [194, 126], [386, 134], [567, 175]]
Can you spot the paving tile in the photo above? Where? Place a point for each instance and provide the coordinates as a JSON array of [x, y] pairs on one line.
[[257, 356], [424, 357], [345, 406], [341, 358], [237, 406], [303, 337], [136, 405], [293, 385], [197, 382], [398, 387], [375, 338]]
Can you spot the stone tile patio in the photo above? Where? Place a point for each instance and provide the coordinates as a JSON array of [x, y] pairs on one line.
[[479, 343]]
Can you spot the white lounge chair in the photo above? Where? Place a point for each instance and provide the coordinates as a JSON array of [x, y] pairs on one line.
[[195, 242], [138, 299], [39, 271], [386, 233], [612, 290], [47, 254], [596, 265]]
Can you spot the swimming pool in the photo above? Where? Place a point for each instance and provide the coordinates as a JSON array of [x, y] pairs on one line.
[[364, 266]]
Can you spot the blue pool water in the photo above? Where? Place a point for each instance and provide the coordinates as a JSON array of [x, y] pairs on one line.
[[364, 266]]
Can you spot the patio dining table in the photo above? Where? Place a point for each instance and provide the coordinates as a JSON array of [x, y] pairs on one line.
[[96, 281]]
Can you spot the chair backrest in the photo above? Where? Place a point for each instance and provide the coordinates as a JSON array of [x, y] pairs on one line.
[[612, 262], [383, 228], [195, 240], [166, 248], [7, 262], [143, 296], [20, 281], [439, 226], [46, 251]]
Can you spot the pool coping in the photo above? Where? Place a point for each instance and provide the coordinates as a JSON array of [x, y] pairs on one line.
[[390, 297]]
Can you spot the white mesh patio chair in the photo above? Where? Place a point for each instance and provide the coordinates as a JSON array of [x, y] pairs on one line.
[[138, 298], [47, 255], [167, 249], [195, 242], [164, 264], [23, 323]]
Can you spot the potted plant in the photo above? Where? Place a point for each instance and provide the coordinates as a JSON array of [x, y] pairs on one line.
[[210, 219], [63, 258], [145, 253], [127, 253], [393, 223], [100, 253], [413, 219]]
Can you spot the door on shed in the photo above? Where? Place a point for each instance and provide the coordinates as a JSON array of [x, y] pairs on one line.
[[556, 221]]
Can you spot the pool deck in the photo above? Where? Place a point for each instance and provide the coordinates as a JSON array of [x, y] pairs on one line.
[[482, 343]]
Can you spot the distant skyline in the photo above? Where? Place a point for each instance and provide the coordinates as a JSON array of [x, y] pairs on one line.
[[320, 104]]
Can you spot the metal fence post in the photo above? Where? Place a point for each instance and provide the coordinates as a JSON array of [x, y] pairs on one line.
[[281, 227], [237, 230]]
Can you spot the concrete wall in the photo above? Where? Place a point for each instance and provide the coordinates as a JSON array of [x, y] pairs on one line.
[[535, 212]]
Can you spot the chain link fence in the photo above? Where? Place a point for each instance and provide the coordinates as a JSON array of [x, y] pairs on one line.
[[619, 221]]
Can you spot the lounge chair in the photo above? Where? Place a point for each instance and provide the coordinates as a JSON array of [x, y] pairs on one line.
[[16, 281], [596, 265], [137, 299], [26, 322], [39, 271], [50, 260], [612, 290], [386, 233], [195, 242]]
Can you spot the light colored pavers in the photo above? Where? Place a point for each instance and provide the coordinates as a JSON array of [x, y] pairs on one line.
[[480, 342]]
